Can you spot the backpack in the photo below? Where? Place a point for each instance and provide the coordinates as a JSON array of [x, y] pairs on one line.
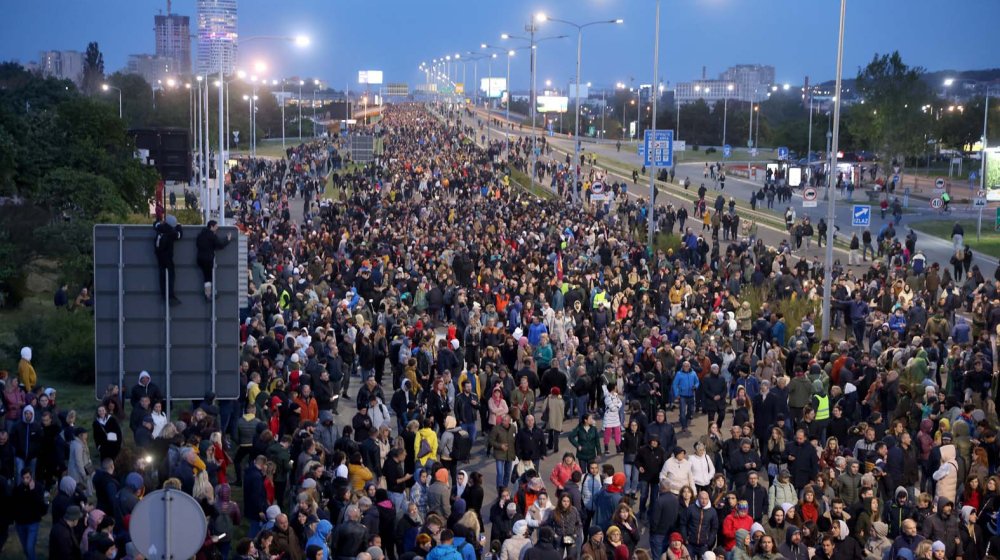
[[462, 448]]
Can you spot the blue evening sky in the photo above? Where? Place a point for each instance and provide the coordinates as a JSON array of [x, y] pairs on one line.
[[797, 37]]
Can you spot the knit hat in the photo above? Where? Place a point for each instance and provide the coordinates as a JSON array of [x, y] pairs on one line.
[[617, 483], [520, 527], [742, 505], [675, 537], [937, 545], [756, 528], [134, 481], [441, 475], [308, 483], [880, 529]]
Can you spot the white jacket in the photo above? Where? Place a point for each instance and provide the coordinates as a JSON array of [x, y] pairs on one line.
[[612, 406], [678, 474], [702, 469]]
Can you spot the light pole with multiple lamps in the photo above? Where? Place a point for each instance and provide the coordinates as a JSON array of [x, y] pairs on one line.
[[579, 53]]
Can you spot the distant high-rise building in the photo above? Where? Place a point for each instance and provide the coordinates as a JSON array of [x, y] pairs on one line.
[[173, 40], [217, 36], [152, 68], [64, 65], [743, 82]]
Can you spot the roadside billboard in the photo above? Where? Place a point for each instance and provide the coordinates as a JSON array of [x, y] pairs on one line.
[[552, 104], [493, 87], [373, 77]]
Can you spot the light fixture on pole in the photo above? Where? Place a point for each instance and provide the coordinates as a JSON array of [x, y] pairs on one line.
[[725, 110], [651, 214], [106, 87], [579, 54]]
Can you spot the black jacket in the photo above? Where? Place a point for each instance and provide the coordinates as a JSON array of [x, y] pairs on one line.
[[207, 243], [802, 463], [529, 444], [664, 516], [756, 497], [163, 246], [651, 460], [63, 542], [349, 539], [30, 504]]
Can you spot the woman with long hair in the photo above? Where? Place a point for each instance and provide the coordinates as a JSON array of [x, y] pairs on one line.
[[775, 526], [702, 467], [107, 434], [567, 524], [766, 549], [626, 522], [808, 507], [777, 456], [830, 453]]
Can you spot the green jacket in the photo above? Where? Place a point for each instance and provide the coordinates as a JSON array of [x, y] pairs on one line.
[[800, 390], [499, 436], [586, 442]]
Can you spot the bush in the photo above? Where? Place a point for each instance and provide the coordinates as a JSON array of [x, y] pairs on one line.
[[694, 147], [62, 343], [710, 150]]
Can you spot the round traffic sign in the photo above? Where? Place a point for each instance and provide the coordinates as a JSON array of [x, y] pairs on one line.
[[749, 143], [809, 193], [939, 183], [937, 202], [182, 536], [981, 193], [597, 187]]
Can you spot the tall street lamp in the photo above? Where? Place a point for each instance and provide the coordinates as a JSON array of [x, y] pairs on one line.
[[106, 87], [651, 214], [830, 216], [579, 54], [725, 110]]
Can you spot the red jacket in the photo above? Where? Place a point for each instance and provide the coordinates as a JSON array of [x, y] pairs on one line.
[[730, 525]]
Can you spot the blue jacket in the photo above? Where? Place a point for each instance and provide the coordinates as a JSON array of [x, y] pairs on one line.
[[897, 323], [444, 552], [466, 548], [685, 383], [535, 332], [778, 333], [254, 494], [319, 538]]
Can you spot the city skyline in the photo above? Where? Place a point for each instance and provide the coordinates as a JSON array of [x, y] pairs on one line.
[[798, 40]]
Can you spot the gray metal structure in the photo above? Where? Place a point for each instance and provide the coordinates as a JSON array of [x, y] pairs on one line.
[[186, 352], [362, 147]]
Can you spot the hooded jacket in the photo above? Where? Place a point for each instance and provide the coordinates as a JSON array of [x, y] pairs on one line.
[[702, 524], [26, 435], [791, 551], [897, 513], [319, 538], [25, 371], [947, 474], [938, 527]]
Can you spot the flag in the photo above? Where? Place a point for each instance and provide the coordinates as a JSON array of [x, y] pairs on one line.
[[559, 267]]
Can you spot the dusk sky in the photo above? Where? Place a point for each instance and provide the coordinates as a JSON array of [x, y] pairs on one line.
[[797, 37]]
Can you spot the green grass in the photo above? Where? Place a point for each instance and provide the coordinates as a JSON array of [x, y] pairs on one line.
[[522, 180], [989, 244]]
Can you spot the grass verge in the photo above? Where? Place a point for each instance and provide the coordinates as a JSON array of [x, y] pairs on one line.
[[522, 180], [988, 244]]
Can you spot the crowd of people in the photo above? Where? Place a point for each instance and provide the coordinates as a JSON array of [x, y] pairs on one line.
[[476, 335]]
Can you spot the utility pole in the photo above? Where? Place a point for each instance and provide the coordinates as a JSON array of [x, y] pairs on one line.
[[650, 216], [830, 215]]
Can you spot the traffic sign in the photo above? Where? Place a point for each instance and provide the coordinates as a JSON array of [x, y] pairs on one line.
[[597, 187], [727, 151], [749, 143], [809, 198], [753, 152], [973, 175], [782, 152], [861, 216], [979, 202], [981, 193], [939, 183], [659, 148], [895, 178], [937, 203]]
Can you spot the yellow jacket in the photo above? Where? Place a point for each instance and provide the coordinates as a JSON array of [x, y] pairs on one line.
[[358, 475], [428, 435], [26, 375]]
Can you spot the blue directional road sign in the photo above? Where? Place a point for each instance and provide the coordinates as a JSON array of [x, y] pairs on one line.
[[861, 216], [727, 151], [783, 152], [658, 152]]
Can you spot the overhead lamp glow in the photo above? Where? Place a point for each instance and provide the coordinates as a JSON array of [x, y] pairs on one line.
[[302, 41]]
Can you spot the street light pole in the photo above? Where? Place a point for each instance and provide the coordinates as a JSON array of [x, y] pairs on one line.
[[106, 87], [579, 54], [282, 115], [982, 161], [301, 83], [651, 216], [830, 215], [506, 126], [809, 147]]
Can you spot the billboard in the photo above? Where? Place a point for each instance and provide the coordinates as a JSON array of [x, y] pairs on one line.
[[493, 87], [584, 91], [459, 88], [552, 104], [992, 181], [373, 77]]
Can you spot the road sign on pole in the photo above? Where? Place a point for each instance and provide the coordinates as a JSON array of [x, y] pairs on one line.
[[658, 148], [861, 216], [809, 198], [782, 152], [939, 184], [727, 151], [937, 203]]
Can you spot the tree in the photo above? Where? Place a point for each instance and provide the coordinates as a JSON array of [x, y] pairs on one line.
[[93, 69], [889, 119]]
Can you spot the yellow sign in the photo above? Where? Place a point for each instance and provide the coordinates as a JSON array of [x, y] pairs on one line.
[[459, 88]]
